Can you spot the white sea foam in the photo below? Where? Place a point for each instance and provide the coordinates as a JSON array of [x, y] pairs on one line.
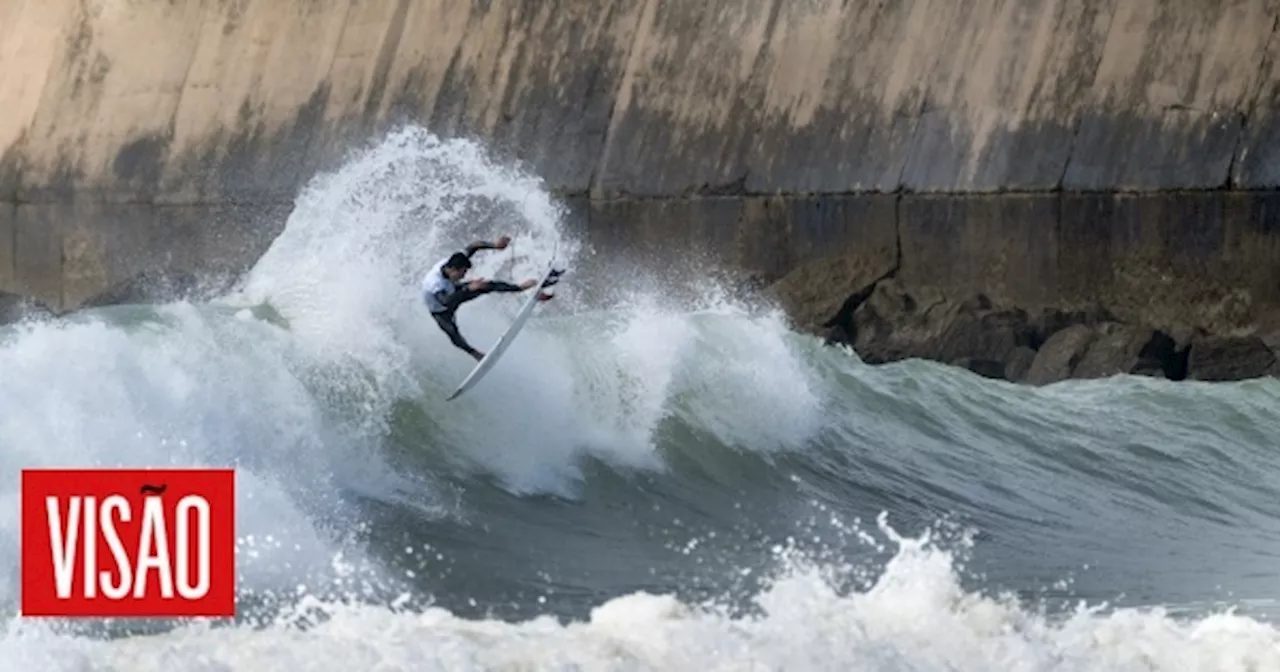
[[913, 616]]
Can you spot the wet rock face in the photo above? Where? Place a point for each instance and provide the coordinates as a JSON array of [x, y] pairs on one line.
[[892, 323], [16, 308], [1223, 358], [1060, 355], [818, 295], [1116, 348]]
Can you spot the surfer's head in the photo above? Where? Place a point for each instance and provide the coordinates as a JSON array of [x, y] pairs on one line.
[[457, 266]]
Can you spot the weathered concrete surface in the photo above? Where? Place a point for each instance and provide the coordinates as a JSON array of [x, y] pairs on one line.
[[761, 238], [8, 240], [1258, 158], [203, 101], [1204, 259], [813, 144], [37, 253], [1003, 245], [212, 100], [64, 254]]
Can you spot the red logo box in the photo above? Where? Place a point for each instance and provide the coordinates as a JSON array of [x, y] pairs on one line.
[[161, 542]]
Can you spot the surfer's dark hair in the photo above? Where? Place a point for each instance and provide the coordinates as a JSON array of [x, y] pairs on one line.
[[458, 260]]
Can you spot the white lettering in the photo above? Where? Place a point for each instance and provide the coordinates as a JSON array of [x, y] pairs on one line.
[[153, 550], [85, 521], [115, 591], [62, 542], [90, 546], [185, 587]]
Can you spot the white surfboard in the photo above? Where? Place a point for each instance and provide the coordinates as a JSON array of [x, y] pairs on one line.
[[491, 357]]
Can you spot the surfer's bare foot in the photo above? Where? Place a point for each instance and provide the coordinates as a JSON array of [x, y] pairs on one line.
[[528, 283]]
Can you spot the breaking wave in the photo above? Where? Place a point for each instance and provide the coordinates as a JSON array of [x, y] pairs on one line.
[[641, 483]]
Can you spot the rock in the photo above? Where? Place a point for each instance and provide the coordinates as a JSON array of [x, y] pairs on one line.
[[892, 324], [1019, 364], [885, 322], [822, 295], [991, 334], [1059, 355], [16, 308], [1052, 320], [1224, 358], [895, 324], [1120, 348]]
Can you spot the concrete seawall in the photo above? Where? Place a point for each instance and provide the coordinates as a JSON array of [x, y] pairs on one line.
[[1043, 152]]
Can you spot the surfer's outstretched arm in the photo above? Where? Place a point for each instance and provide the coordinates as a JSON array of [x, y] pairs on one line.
[[499, 244]]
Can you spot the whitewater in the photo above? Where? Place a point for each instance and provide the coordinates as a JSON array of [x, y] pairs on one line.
[[650, 479]]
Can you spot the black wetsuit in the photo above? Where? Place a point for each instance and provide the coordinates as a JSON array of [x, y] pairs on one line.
[[450, 300], [447, 319]]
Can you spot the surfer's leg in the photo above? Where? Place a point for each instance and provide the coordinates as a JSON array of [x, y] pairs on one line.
[[467, 294], [450, 329]]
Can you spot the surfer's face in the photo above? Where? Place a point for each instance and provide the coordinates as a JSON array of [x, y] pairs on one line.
[[455, 274]]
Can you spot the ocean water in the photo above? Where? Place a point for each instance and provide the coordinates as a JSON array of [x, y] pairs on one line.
[[641, 483]]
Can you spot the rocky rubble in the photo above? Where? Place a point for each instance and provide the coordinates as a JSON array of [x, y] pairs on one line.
[[884, 322], [1231, 358]]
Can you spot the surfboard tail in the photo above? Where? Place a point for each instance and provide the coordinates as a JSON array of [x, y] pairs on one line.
[[553, 277]]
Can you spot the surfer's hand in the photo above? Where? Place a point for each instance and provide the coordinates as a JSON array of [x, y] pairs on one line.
[[477, 284], [501, 243]]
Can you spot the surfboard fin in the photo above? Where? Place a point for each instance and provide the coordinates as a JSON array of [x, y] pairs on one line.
[[553, 278]]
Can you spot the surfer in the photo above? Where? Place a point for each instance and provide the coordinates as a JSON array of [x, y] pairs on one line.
[[443, 290]]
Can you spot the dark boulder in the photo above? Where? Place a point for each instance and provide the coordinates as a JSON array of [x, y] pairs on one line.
[[895, 324], [984, 333], [1123, 348], [1227, 358], [1059, 356], [1019, 364], [1052, 320], [821, 296], [884, 322]]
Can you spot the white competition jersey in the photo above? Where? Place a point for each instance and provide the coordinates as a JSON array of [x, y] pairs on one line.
[[436, 282]]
